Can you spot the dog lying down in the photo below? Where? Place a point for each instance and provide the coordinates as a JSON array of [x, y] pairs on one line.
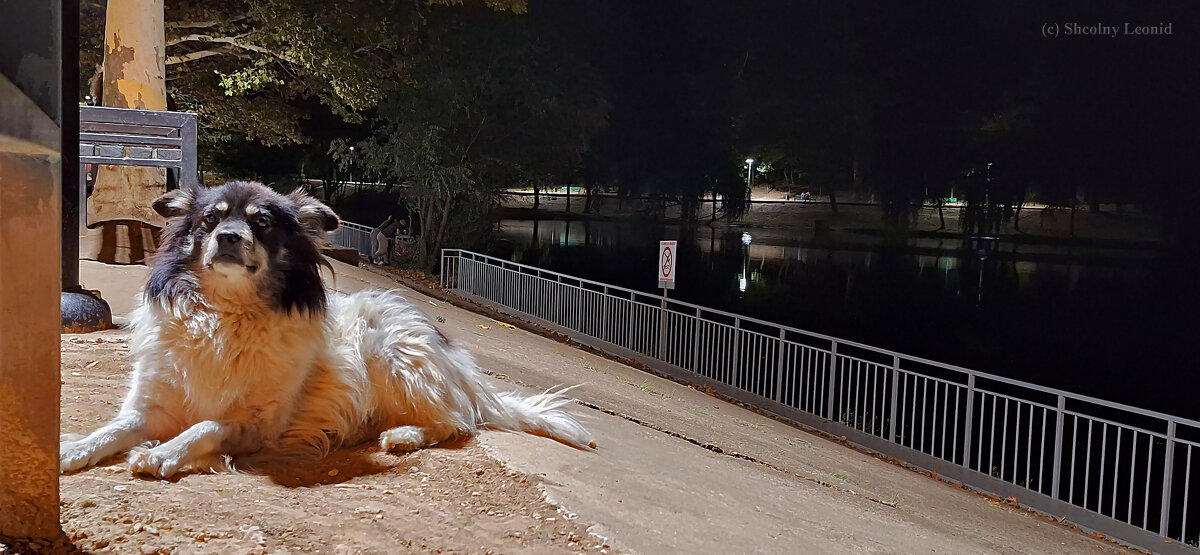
[[238, 349]]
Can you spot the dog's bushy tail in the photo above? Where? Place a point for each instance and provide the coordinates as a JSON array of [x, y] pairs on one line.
[[540, 415]]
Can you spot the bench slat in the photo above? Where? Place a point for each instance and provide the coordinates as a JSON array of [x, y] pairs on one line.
[[131, 116], [129, 162], [131, 140], [129, 129]]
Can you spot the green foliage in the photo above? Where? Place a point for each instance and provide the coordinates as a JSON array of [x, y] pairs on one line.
[[486, 108], [255, 70]]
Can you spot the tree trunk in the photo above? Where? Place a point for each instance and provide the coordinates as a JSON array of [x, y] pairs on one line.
[[134, 77], [568, 198], [1017, 218], [833, 201], [426, 213], [536, 197], [441, 234], [941, 216]]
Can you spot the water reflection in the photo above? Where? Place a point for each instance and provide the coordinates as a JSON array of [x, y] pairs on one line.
[[1075, 318]]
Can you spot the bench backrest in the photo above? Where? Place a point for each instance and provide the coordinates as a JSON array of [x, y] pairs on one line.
[[128, 137]]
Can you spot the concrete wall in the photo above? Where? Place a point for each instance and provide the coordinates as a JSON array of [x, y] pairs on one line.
[[30, 226]]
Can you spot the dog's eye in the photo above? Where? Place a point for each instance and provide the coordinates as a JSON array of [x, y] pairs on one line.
[[211, 219], [262, 222]]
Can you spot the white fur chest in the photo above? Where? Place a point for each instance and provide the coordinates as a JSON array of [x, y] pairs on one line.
[[235, 365]]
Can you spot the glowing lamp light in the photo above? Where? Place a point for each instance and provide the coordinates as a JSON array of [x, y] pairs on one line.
[[746, 238], [749, 160], [742, 284]]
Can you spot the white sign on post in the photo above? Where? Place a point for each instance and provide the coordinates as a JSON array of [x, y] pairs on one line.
[[666, 264]]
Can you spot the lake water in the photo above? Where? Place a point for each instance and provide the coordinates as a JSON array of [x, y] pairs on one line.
[[1112, 323]]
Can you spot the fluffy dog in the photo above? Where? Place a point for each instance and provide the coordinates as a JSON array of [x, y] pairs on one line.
[[237, 347]]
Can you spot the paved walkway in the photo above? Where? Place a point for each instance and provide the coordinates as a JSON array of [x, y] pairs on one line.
[[679, 471]]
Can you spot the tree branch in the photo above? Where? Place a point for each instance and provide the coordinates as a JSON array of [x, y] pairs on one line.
[[235, 41], [190, 38], [192, 56]]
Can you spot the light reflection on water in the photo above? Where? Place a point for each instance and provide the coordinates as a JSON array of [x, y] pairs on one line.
[[1069, 317]]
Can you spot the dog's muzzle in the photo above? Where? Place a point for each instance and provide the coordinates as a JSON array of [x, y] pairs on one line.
[[231, 249]]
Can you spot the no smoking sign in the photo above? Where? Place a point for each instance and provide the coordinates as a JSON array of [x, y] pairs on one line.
[[667, 261]]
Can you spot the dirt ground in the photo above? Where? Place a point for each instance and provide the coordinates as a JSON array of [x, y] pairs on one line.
[[455, 499]]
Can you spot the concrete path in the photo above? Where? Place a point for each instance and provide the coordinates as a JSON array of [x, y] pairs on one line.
[[678, 471]]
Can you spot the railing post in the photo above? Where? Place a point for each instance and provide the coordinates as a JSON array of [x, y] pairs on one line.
[[895, 397], [604, 315], [735, 369], [662, 327], [557, 300], [830, 375], [696, 343], [969, 432], [443, 274], [1058, 440], [779, 366], [1168, 474], [630, 320]]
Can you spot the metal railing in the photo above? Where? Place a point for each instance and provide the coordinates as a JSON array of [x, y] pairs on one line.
[[358, 236], [354, 236], [1112, 468]]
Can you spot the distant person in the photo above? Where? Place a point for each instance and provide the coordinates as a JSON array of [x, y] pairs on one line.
[[382, 235]]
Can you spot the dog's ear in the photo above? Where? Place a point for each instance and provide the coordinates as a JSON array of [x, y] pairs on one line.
[[314, 215], [174, 204]]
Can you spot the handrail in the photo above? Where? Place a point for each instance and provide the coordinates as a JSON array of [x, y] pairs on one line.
[[880, 350]]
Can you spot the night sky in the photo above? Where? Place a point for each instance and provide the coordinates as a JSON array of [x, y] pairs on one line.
[[693, 81]]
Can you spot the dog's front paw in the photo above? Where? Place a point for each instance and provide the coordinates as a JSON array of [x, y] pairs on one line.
[[402, 439], [156, 462], [75, 455]]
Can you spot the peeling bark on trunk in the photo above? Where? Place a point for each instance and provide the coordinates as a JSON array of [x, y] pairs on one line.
[[134, 77]]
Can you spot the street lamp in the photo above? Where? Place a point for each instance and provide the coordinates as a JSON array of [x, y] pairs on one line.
[[351, 165], [749, 179]]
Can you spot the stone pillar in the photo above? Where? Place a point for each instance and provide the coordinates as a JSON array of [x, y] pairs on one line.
[[30, 225]]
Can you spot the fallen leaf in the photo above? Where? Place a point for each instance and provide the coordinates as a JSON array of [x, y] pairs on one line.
[[482, 327], [509, 326]]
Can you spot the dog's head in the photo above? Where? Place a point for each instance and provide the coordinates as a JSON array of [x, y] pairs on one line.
[[242, 239]]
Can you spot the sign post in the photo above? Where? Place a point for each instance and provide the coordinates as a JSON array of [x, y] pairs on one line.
[[666, 280], [666, 265]]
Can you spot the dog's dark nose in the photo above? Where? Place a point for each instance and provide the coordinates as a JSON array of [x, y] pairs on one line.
[[228, 238]]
